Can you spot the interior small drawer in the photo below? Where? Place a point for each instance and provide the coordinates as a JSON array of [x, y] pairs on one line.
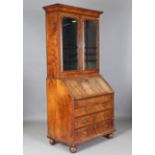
[[84, 121]]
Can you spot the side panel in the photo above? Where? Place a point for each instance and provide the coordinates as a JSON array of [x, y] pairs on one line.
[[60, 112], [52, 43]]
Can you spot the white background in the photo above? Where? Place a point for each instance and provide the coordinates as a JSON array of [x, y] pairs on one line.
[[115, 53], [11, 82]]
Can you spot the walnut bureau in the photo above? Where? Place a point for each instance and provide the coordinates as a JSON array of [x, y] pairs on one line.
[[80, 103]]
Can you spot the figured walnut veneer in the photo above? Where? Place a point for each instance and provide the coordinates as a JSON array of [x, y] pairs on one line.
[[80, 103]]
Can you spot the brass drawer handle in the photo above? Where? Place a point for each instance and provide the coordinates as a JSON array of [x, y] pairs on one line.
[[85, 80], [95, 126], [108, 114], [105, 102], [85, 121], [106, 125], [84, 133], [85, 109]]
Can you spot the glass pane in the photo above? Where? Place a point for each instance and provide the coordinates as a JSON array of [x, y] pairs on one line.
[[91, 44], [69, 39]]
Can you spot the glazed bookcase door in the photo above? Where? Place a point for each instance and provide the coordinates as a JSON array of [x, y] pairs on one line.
[[91, 44], [69, 43]]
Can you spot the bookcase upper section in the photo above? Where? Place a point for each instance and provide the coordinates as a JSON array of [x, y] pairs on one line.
[[72, 41]]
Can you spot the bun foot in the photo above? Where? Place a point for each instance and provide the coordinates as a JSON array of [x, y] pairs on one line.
[[52, 141], [109, 136], [73, 149]]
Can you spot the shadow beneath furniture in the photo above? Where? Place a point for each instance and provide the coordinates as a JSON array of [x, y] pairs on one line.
[[121, 126], [38, 132]]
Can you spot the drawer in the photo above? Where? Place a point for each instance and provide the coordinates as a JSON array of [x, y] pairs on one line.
[[104, 115], [84, 110], [91, 101], [84, 121], [84, 133], [104, 126], [96, 107], [104, 106], [87, 132], [108, 114]]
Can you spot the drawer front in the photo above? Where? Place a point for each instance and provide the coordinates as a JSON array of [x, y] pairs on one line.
[[104, 106], [93, 118], [96, 107], [84, 121], [84, 133], [91, 131], [104, 126], [91, 101], [84, 110], [104, 115]]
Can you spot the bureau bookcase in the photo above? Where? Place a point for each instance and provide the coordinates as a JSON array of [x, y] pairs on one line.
[[80, 103]]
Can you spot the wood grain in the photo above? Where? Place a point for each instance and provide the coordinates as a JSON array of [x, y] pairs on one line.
[[80, 103], [87, 87], [60, 112], [72, 9], [53, 60]]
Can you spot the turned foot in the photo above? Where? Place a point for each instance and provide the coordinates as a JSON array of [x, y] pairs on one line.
[[73, 149], [109, 136], [52, 141]]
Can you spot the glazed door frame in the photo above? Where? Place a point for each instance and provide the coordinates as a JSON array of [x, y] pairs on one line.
[[98, 52], [80, 50], [61, 15]]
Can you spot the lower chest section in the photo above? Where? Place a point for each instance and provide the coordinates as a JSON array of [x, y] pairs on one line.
[[93, 117]]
